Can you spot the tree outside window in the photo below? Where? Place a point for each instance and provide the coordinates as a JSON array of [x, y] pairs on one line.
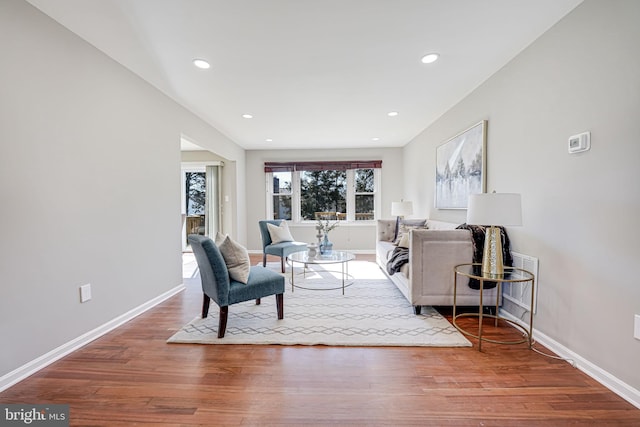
[[196, 193], [323, 194]]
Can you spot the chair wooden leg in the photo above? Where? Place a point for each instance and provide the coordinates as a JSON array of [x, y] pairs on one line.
[[282, 264], [205, 305], [280, 305], [264, 260], [222, 323], [257, 301]]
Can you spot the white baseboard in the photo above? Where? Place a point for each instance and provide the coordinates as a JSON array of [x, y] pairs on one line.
[[35, 365], [608, 380]]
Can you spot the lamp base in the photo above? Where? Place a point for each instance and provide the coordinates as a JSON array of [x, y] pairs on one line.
[[492, 263], [398, 219]]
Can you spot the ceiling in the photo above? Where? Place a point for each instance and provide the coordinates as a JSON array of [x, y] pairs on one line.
[[313, 73]]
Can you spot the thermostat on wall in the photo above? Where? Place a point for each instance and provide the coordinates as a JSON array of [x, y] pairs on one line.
[[580, 142]]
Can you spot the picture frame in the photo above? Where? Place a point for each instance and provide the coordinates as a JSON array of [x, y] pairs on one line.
[[460, 167]]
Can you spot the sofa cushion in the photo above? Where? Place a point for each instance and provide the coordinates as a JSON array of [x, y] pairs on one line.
[[386, 229], [383, 250]]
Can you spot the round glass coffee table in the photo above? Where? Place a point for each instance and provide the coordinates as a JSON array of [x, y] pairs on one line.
[[335, 257]]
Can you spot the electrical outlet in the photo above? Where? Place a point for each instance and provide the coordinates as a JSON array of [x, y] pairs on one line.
[[636, 327], [85, 292]]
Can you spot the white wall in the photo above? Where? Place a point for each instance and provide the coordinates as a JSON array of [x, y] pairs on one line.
[[579, 211], [353, 237], [89, 186]]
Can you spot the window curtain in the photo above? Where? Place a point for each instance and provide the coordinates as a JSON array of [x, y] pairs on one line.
[[212, 204]]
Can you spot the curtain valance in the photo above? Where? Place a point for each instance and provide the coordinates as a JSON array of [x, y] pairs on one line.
[[321, 165]]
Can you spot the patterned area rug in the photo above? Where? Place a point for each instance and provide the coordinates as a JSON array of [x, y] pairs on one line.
[[372, 312]]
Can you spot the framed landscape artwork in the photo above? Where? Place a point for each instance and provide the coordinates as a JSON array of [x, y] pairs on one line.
[[460, 167]]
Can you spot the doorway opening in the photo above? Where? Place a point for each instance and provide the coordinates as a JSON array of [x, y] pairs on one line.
[[200, 200]]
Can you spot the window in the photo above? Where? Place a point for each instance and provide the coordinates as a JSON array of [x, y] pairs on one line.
[[281, 197], [323, 194], [308, 191], [365, 194], [195, 193]]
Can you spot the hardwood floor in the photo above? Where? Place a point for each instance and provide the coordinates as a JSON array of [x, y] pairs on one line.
[[132, 375]]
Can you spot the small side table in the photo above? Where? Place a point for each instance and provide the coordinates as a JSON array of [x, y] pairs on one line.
[[511, 275]]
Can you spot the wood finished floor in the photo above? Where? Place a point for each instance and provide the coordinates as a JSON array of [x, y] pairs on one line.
[[131, 376]]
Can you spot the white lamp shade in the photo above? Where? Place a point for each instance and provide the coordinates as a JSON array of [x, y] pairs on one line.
[[401, 208], [494, 209]]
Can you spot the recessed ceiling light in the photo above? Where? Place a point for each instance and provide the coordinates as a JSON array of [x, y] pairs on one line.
[[429, 58], [201, 63], [375, 139], [392, 113], [247, 116], [269, 140]]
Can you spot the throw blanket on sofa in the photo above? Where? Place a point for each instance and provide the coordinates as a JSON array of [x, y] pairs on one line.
[[477, 234], [399, 257]]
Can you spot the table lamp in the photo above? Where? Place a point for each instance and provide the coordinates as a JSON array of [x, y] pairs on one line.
[[401, 209], [493, 210]]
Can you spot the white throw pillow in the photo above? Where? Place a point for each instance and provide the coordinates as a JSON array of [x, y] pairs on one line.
[[404, 241], [279, 233], [237, 259]]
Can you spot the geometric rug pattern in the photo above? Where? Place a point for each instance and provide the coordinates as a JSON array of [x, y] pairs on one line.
[[372, 312]]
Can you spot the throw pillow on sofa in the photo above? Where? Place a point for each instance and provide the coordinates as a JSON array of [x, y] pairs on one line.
[[407, 225], [404, 241]]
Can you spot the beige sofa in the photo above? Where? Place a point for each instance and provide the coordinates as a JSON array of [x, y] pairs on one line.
[[427, 279]]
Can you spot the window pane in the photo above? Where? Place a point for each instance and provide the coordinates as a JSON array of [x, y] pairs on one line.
[[364, 181], [196, 193], [282, 207], [364, 207], [282, 183], [323, 193]]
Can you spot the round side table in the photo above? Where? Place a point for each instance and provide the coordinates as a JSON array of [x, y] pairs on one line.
[[511, 275]]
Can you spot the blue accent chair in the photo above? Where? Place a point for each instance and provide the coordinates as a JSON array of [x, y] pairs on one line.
[[282, 249], [218, 286]]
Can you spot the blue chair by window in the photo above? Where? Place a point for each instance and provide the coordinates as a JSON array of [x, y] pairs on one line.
[[218, 286], [280, 249]]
